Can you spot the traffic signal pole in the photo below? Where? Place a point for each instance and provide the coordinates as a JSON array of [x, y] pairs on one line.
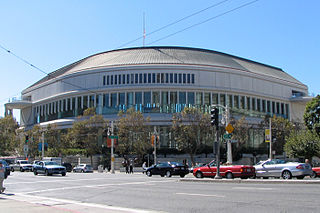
[[112, 146], [215, 123]]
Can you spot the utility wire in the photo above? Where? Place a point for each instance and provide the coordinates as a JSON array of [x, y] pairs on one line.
[[175, 22], [197, 24]]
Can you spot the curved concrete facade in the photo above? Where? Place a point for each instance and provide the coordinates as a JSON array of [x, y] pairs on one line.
[[160, 81]]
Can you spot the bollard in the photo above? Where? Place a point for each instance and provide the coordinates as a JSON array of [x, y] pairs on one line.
[[2, 175]]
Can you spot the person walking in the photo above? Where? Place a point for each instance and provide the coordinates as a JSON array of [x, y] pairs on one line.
[[2, 177], [144, 167], [131, 166], [127, 166]]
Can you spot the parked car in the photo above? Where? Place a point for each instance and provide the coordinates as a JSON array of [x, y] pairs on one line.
[[83, 168], [226, 171], [34, 163], [68, 166], [315, 172], [49, 168], [282, 168], [196, 166], [167, 169], [21, 165], [6, 168]]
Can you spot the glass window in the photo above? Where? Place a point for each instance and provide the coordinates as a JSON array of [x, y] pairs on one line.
[[108, 80], [171, 78], [132, 78], [180, 78], [273, 107], [167, 77], [223, 99], [258, 105], [104, 80], [191, 98], [149, 78], [199, 98], [156, 97], [129, 99], [79, 103], [105, 100], [173, 97], [287, 110], [242, 104], [253, 104], [128, 78], [230, 104], [111, 79], [123, 79], [122, 98], [236, 101], [214, 98], [268, 107], [207, 98], [140, 78], [115, 79], [120, 79], [147, 98], [145, 78], [136, 78], [91, 101], [188, 78], [113, 99], [158, 78], [138, 97], [248, 103], [192, 78], [162, 78], [153, 78], [164, 97], [182, 98], [85, 102], [278, 108], [175, 78], [263, 105]]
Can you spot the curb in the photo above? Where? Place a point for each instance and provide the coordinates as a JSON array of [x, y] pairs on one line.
[[250, 181]]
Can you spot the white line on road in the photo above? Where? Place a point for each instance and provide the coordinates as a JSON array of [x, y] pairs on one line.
[[253, 188], [203, 195]]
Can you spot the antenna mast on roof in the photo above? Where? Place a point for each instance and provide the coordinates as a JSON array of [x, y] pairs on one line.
[[144, 29]]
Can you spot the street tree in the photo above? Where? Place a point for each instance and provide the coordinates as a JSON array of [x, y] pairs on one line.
[[191, 130], [311, 115], [8, 137], [240, 133], [134, 133], [303, 143], [85, 132], [35, 137]]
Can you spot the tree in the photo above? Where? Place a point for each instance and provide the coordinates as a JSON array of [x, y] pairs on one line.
[[85, 132], [52, 137], [240, 133], [303, 143], [8, 137], [191, 129], [35, 137], [311, 115], [133, 133]]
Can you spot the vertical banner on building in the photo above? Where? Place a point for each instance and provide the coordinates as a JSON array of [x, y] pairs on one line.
[[267, 135]]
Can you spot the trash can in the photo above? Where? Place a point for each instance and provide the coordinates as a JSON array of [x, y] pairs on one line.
[[100, 168]]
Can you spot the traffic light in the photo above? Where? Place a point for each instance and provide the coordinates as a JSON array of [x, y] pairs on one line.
[[27, 139], [215, 117]]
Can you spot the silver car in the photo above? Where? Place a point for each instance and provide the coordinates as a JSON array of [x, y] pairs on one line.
[[282, 168], [83, 168]]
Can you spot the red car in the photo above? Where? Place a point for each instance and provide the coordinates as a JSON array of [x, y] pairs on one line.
[[315, 172], [230, 171]]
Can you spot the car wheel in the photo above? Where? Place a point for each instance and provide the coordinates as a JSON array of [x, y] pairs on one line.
[[199, 175], [182, 175], [168, 173], [229, 175], [148, 173], [286, 175], [63, 174], [35, 172], [12, 169], [313, 175], [82, 170], [21, 170]]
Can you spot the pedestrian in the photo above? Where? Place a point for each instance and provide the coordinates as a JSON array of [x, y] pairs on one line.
[[131, 166], [2, 177], [127, 166], [144, 167]]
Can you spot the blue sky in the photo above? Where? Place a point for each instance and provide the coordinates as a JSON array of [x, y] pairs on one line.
[[52, 34]]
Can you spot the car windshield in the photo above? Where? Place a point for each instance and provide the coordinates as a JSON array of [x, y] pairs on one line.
[[24, 162], [176, 164], [50, 163]]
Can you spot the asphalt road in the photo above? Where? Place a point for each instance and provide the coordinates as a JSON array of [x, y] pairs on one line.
[[105, 192]]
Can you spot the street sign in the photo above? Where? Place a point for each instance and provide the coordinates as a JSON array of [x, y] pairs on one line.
[[40, 146], [113, 137], [25, 148], [267, 135], [233, 141], [229, 128], [227, 136]]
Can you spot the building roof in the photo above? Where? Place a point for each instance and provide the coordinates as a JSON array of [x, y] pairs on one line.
[[168, 55]]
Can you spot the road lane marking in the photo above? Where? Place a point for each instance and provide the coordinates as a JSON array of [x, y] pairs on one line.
[[97, 186], [60, 180], [57, 201], [202, 195], [253, 188]]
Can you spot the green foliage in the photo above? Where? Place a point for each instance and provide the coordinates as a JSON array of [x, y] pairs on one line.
[[133, 133], [311, 115], [240, 133], [8, 137], [303, 143], [191, 130]]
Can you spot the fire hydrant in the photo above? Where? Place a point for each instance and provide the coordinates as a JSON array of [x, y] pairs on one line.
[[2, 175]]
